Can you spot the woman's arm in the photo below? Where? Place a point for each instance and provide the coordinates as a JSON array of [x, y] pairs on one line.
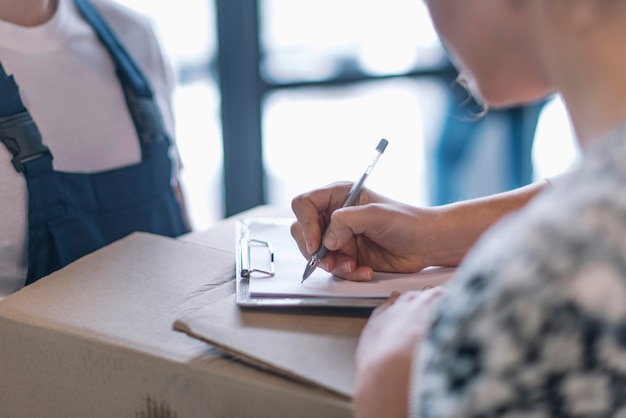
[[379, 234]]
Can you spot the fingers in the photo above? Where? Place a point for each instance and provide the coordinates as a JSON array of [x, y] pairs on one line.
[[393, 296], [339, 264], [319, 210], [306, 230], [351, 221], [297, 234], [311, 208], [417, 297], [390, 301], [426, 294], [346, 268]]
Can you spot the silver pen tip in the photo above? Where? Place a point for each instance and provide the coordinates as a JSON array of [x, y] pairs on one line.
[[310, 266]]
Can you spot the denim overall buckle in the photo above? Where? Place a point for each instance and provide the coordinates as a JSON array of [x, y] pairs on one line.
[[20, 136]]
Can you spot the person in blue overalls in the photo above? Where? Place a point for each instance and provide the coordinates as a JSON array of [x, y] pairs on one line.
[[86, 156]]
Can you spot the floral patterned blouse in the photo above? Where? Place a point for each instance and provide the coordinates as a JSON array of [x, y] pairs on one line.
[[534, 323]]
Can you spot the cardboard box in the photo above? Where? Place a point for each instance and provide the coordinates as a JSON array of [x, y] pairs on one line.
[[96, 340]]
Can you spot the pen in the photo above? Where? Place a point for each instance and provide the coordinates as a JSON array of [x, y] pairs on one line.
[[350, 199]]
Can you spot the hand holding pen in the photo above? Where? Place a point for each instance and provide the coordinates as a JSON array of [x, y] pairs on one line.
[[350, 199]]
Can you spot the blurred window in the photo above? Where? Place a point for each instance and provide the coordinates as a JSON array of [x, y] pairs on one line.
[[338, 75]]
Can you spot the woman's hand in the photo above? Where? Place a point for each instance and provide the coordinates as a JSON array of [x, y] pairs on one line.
[[380, 234], [387, 347], [376, 234]]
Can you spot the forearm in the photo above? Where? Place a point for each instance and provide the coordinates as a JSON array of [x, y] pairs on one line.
[[458, 226]]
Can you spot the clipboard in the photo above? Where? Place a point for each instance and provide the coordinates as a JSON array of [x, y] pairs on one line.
[[261, 259]]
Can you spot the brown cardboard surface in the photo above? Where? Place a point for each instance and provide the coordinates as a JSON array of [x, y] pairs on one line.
[[318, 349], [95, 339], [115, 292]]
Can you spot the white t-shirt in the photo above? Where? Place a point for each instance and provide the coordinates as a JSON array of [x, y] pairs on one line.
[[67, 81]]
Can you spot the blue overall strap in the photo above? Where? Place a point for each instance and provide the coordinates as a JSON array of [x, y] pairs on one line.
[[10, 102], [18, 131], [127, 71], [143, 109]]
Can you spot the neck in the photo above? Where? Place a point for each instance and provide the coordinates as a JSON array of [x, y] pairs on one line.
[[27, 12], [595, 111], [594, 87]]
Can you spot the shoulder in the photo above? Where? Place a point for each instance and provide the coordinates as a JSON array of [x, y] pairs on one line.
[[575, 230], [123, 19], [136, 32], [539, 307]]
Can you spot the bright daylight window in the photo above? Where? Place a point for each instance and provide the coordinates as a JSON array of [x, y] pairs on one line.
[[317, 134]]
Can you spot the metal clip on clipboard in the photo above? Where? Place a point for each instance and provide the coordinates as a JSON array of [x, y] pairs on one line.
[[246, 268]]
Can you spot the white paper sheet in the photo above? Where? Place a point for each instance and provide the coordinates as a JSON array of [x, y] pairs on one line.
[[290, 264]]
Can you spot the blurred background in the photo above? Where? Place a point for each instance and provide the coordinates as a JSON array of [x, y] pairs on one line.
[[276, 97]]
